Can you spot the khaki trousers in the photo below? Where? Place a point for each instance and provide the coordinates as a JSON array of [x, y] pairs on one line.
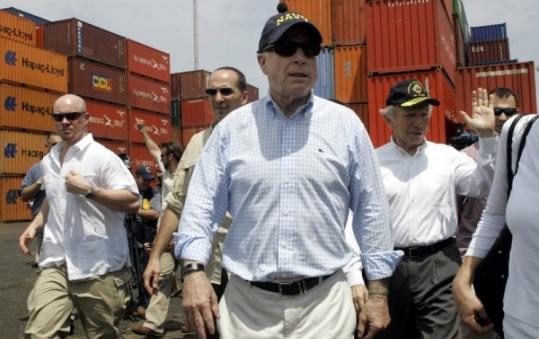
[[325, 311], [157, 310], [100, 302]]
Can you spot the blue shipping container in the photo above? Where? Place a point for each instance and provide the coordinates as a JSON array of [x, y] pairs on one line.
[[325, 85], [489, 32], [36, 19]]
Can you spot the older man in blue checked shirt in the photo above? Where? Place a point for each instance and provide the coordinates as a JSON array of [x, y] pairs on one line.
[[287, 168]]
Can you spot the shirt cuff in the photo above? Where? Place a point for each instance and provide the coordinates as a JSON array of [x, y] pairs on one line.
[[476, 252], [190, 248], [380, 265], [354, 278], [488, 145]]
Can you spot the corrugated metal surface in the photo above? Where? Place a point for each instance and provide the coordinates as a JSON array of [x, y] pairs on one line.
[[176, 135], [488, 52], [351, 73], [252, 93], [519, 77], [33, 66], [148, 94], [349, 22], [107, 121], [196, 112], [16, 28], [115, 146], [97, 81], [75, 37], [175, 86], [141, 157], [438, 85], [12, 208], [410, 35], [193, 84], [187, 133], [20, 150], [148, 61], [157, 126], [489, 32], [26, 108], [316, 11], [460, 44], [175, 113], [460, 13], [325, 84], [34, 18], [362, 111]]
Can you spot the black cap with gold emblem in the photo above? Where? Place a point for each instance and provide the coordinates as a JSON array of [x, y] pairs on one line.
[[409, 93]]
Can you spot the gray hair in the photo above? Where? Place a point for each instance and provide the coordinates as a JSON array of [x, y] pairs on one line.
[[389, 111]]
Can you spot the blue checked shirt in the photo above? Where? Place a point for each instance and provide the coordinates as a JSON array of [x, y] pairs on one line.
[[288, 183]]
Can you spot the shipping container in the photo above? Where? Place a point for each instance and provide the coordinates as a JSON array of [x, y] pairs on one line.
[[148, 61], [74, 37], [362, 112], [316, 11], [17, 28], [115, 146], [252, 93], [37, 20], [26, 108], [459, 14], [349, 22], [157, 126], [188, 132], [12, 208], [351, 73], [193, 84], [175, 113], [438, 86], [519, 77], [461, 46], [405, 36], [488, 32], [175, 86], [488, 52], [97, 81], [106, 120], [197, 112], [140, 156], [33, 66], [148, 94], [325, 64], [176, 135], [20, 150]]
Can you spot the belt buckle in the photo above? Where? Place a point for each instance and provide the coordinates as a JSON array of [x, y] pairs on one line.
[[302, 287], [411, 251]]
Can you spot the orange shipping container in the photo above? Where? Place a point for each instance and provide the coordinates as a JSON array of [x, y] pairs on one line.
[[12, 208], [115, 146], [148, 61], [16, 28], [148, 94], [20, 151], [188, 132], [106, 120], [519, 77], [351, 73], [349, 22], [33, 66], [316, 11], [157, 126], [140, 156], [196, 112], [438, 86], [193, 84], [26, 108]]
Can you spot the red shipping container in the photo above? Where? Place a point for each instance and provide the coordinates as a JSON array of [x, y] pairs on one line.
[[12, 208], [148, 94], [438, 86], [157, 126], [106, 120], [73, 37], [408, 36], [97, 81], [140, 156], [349, 22], [148, 61], [488, 52], [252, 93], [316, 11], [193, 84], [351, 73], [175, 86], [519, 77], [187, 133], [362, 112], [115, 146], [196, 112]]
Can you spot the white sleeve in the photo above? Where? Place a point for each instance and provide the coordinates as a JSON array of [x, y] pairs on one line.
[[353, 268]]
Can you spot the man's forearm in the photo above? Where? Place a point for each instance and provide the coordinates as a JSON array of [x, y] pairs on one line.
[[30, 191], [379, 287], [117, 200], [167, 227]]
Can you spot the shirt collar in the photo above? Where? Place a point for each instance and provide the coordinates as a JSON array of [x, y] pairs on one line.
[[420, 148], [303, 111]]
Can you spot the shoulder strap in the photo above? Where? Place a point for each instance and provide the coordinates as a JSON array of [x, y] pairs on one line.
[[509, 159], [525, 133]]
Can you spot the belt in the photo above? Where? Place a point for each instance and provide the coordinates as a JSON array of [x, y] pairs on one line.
[[293, 288], [421, 251]]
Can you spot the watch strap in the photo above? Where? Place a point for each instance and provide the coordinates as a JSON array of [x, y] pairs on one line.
[[191, 268]]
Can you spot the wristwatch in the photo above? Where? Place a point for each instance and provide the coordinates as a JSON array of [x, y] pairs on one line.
[[90, 193], [191, 268]]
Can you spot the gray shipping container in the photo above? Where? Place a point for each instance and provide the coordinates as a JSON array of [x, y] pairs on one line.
[[325, 85]]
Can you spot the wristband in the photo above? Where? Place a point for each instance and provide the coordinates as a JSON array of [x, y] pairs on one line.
[[384, 293], [191, 268]]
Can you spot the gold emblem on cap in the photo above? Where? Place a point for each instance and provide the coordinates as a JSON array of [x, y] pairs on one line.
[[416, 88]]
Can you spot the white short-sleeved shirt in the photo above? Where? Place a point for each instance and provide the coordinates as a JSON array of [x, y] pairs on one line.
[[86, 236]]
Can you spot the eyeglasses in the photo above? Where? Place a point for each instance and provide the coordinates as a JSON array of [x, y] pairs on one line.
[[225, 91], [509, 111], [69, 116], [289, 48]]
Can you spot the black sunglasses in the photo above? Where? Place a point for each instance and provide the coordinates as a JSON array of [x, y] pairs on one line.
[[69, 116], [225, 91], [507, 110], [289, 48]]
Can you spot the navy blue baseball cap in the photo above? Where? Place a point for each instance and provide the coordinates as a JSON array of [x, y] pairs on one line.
[[409, 93], [145, 173]]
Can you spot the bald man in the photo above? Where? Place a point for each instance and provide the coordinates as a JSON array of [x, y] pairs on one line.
[[84, 257]]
